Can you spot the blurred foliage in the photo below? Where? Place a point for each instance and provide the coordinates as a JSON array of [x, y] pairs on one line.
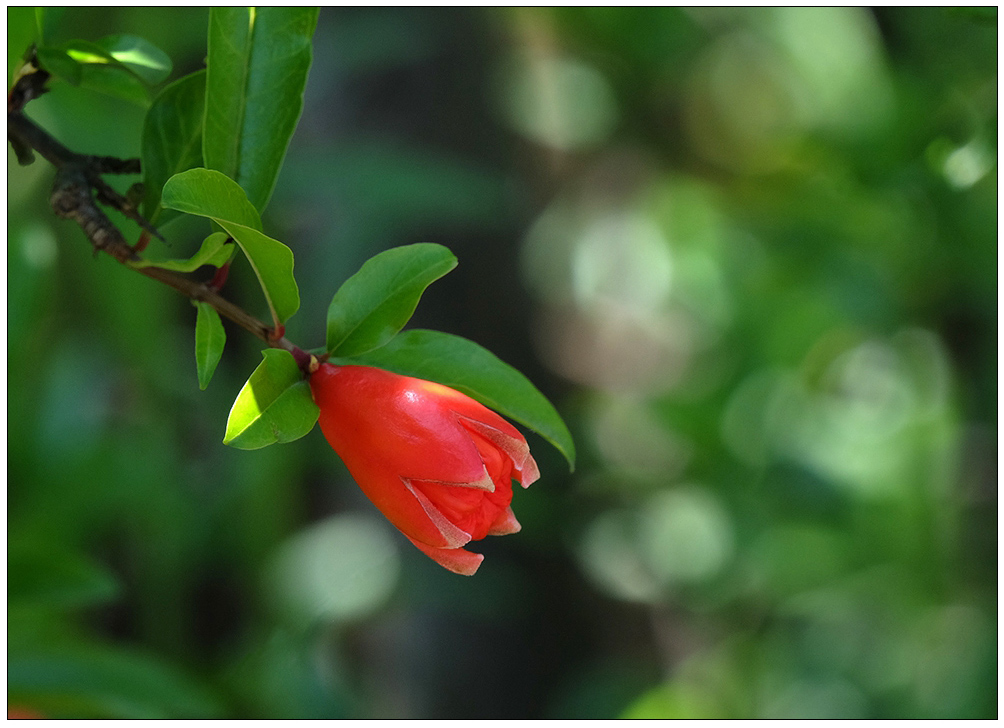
[[750, 252]]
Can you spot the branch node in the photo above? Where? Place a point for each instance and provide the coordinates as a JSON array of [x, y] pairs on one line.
[[276, 333], [220, 277]]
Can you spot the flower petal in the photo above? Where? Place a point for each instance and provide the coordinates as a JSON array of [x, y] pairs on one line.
[[505, 524], [514, 447], [454, 536], [484, 483], [459, 561]]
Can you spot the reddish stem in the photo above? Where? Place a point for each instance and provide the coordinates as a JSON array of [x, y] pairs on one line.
[[220, 277]]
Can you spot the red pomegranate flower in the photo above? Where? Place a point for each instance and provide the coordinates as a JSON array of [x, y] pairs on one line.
[[437, 464]]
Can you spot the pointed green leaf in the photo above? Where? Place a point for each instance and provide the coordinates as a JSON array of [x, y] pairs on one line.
[[209, 341], [257, 70], [139, 55], [376, 303], [274, 405], [208, 193], [475, 371], [273, 264], [211, 194], [215, 251], [172, 139]]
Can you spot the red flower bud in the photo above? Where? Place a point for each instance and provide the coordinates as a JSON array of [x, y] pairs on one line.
[[437, 464]]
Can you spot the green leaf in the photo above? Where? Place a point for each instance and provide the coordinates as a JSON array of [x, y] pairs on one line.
[[88, 65], [274, 405], [257, 70], [117, 66], [85, 52], [57, 62], [47, 20], [139, 55], [114, 80], [172, 139], [78, 680], [475, 371], [215, 250], [211, 194], [376, 303], [209, 341], [40, 24], [208, 193], [273, 264], [100, 71], [40, 575]]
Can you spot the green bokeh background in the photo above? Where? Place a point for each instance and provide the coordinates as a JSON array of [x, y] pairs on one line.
[[750, 255]]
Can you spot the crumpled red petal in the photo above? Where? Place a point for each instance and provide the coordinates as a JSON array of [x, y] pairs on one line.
[[505, 524], [459, 561], [514, 447], [453, 535]]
